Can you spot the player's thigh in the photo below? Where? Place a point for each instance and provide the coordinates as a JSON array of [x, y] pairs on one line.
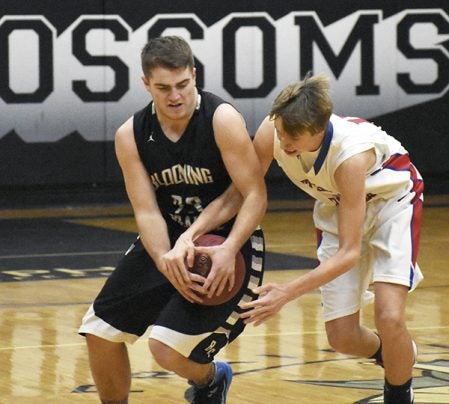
[[343, 329], [390, 304], [395, 243]]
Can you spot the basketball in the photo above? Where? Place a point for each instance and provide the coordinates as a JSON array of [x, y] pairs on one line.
[[202, 265]]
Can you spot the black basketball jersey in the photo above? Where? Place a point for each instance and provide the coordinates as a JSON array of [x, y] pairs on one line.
[[188, 174]]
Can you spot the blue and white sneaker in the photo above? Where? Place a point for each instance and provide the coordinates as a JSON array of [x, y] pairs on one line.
[[216, 391]]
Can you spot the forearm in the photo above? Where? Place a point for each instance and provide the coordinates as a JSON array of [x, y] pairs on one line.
[[248, 219], [154, 235], [218, 212], [325, 272]]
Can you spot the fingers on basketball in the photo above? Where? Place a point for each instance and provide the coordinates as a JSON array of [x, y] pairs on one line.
[[203, 263]]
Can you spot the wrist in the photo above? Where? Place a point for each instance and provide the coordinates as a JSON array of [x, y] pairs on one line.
[[232, 245], [292, 291], [191, 234]]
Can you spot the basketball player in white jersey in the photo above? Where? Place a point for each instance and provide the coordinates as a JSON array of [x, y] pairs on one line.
[[367, 214]]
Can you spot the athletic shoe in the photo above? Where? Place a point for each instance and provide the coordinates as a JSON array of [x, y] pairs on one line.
[[216, 391]]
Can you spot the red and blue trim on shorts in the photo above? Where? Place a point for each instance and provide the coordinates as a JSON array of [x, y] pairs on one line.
[[401, 162]]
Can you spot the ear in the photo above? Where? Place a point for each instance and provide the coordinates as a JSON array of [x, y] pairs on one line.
[[146, 83]]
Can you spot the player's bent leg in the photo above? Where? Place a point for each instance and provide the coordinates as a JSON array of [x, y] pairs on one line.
[[173, 361], [110, 369], [346, 335], [210, 381]]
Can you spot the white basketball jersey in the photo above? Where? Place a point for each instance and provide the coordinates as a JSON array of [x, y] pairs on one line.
[[346, 136]]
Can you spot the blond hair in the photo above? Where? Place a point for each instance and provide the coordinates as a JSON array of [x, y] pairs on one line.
[[304, 106]]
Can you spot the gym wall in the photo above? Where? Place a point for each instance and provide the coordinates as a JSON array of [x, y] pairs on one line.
[[70, 72]]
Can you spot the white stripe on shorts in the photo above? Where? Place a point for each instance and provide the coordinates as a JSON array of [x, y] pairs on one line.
[[92, 324]]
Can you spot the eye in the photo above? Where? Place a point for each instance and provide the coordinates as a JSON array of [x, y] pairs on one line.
[[163, 88]]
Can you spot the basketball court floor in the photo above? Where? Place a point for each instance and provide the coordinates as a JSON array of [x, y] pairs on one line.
[[54, 260]]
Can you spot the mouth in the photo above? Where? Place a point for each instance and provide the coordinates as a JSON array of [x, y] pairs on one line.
[[291, 152]]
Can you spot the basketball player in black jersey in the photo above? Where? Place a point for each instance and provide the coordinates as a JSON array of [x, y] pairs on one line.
[[178, 155]]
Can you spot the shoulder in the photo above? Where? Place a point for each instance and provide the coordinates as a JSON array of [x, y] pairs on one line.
[[210, 102], [225, 111], [125, 127], [216, 105], [352, 136], [265, 132], [229, 127], [264, 139], [225, 114], [355, 127], [267, 126], [124, 136], [359, 162]]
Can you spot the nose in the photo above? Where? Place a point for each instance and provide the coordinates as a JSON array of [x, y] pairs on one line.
[[174, 94], [285, 144]]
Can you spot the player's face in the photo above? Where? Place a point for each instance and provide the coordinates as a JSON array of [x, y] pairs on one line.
[[299, 143], [173, 91]]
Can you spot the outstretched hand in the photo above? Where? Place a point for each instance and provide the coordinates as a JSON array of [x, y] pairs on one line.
[[272, 297]]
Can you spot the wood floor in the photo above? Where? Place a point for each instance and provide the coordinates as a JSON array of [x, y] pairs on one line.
[[287, 360]]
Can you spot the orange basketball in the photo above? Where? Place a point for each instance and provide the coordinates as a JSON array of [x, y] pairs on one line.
[[203, 263]]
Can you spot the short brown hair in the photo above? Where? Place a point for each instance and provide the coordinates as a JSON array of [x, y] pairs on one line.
[[169, 52], [304, 106]]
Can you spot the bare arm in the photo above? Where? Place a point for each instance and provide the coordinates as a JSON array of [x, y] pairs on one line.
[[150, 223], [219, 211], [227, 205], [264, 143], [246, 198], [350, 179], [244, 169], [231, 202]]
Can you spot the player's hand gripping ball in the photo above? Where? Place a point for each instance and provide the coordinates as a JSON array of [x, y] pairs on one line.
[[203, 263]]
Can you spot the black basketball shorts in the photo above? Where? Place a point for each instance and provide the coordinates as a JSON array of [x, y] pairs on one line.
[[136, 296]]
